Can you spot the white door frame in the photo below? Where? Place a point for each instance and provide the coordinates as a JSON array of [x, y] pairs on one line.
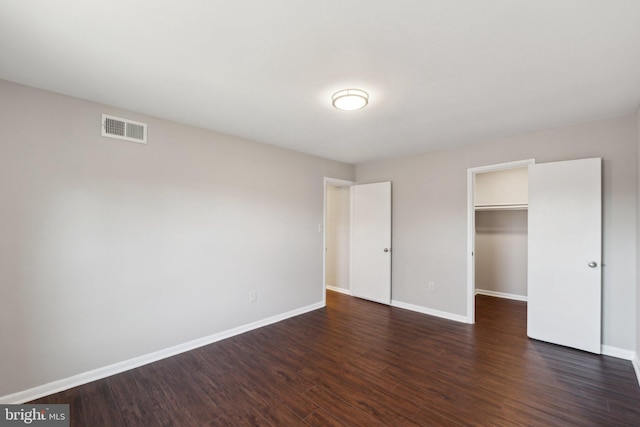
[[471, 227], [335, 183]]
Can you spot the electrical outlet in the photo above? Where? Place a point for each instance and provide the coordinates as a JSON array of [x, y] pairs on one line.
[[253, 296], [432, 287]]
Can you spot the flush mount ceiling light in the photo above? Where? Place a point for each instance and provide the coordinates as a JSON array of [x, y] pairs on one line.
[[350, 99]]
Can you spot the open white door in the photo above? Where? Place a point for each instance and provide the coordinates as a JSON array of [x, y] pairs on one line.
[[565, 250], [371, 242]]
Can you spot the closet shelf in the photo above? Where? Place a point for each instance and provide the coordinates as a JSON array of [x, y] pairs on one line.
[[503, 207]]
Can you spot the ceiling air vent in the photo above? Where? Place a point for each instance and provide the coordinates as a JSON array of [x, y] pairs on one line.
[[128, 130]]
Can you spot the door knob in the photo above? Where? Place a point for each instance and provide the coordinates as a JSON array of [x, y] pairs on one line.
[[593, 264], [386, 249]]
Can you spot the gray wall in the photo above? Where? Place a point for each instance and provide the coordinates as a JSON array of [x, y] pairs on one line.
[[501, 251], [112, 249], [430, 215]]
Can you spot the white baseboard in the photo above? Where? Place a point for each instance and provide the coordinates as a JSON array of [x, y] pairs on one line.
[[430, 311], [617, 352], [636, 366], [337, 289], [501, 295], [116, 368]]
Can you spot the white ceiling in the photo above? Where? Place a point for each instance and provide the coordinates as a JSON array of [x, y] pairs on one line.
[[440, 73]]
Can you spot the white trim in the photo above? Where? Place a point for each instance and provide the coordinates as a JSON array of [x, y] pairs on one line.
[[351, 237], [339, 182], [636, 366], [502, 207], [430, 311], [471, 246], [503, 166], [620, 353], [338, 289], [501, 295], [116, 368], [471, 218]]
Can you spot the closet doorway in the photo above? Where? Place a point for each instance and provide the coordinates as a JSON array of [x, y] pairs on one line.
[[501, 200], [564, 247], [497, 237]]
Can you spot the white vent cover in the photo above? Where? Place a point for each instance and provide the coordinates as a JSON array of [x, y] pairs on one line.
[[128, 130]]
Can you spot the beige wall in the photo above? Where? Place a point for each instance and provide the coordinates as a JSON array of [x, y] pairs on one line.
[[430, 215], [337, 235], [502, 187], [111, 250]]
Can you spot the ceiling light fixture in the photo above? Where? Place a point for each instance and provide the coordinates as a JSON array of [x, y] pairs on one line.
[[350, 99]]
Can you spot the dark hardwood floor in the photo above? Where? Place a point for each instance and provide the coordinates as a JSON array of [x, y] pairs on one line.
[[364, 364]]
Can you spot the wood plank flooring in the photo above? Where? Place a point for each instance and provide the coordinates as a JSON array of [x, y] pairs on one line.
[[359, 363]]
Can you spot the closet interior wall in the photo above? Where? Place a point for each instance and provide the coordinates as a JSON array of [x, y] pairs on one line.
[[501, 233]]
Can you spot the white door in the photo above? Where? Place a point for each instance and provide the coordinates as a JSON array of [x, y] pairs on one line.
[[371, 242], [565, 250]]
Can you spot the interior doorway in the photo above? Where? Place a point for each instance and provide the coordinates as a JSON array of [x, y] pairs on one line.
[[501, 204], [337, 235], [499, 210]]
